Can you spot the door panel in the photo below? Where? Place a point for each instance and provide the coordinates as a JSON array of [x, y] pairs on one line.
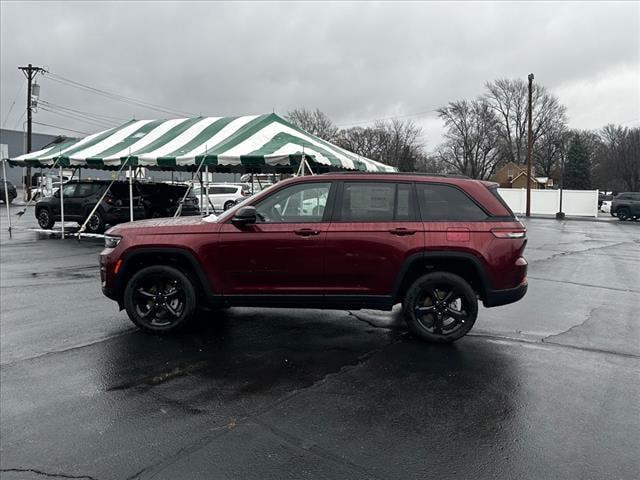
[[272, 258], [375, 230], [365, 258], [283, 253]]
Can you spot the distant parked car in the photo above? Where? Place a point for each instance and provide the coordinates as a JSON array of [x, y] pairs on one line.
[[162, 199], [11, 189], [223, 196], [150, 200], [626, 206], [604, 197]]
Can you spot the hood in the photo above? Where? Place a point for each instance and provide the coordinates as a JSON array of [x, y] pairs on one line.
[[160, 226]]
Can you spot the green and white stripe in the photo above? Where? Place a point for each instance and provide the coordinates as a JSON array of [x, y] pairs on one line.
[[185, 143]]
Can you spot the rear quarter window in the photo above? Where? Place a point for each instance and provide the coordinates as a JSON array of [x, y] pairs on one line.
[[441, 203]]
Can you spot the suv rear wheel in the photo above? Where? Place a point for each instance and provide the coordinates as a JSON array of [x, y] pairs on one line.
[[228, 204], [440, 307], [623, 214], [160, 299], [45, 220]]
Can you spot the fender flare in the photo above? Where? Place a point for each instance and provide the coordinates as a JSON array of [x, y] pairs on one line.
[[182, 253], [421, 257]]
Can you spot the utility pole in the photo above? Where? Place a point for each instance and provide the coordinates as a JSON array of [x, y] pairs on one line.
[[30, 72], [529, 146]]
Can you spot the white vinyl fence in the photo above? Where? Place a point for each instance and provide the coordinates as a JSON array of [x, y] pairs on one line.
[[582, 203]]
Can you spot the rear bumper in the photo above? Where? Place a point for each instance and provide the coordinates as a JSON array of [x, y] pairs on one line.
[[495, 298]]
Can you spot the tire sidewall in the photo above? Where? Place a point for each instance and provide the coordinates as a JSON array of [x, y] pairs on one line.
[[100, 227], [623, 214], [48, 225], [186, 284], [416, 291]]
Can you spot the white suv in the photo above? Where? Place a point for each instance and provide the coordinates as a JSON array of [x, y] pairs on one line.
[[223, 196]]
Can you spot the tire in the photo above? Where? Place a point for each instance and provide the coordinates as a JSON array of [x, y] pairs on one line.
[[228, 204], [45, 219], [432, 315], [160, 299], [623, 214], [95, 223]]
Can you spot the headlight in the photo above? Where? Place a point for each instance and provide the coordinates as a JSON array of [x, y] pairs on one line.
[[111, 241]]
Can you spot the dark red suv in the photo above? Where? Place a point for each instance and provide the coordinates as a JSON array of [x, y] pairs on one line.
[[436, 244]]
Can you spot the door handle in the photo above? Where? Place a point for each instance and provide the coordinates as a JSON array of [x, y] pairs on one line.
[[306, 232], [401, 231]]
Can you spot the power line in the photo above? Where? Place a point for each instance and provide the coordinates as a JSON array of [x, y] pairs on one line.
[[82, 112], [85, 120], [115, 96], [61, 128], [77, 116], [20, 118], [13, 103]]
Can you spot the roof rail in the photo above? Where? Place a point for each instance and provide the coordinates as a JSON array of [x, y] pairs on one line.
[[422, 174]]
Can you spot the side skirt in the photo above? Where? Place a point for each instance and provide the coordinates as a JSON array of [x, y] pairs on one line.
[[333, 302]]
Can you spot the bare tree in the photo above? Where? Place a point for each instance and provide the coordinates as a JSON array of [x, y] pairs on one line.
[[394, 142], [551, 147], [470, 146], [313, 121], [508, 98], [618, 166]]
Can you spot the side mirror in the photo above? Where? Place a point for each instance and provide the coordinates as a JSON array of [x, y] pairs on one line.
[[245, 216]]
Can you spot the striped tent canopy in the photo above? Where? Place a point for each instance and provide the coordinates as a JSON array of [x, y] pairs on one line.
[[250, 143]]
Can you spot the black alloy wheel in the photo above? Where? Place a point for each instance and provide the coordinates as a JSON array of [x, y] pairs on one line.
[[160, 299], [95, 224], [45, 220], [623, 214], [440, 307]]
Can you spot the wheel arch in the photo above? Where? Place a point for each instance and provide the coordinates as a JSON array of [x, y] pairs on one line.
[[179, 258], [463, 264]]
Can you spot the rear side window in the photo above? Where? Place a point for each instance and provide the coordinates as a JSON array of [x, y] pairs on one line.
[[446, 203], [86, 189], [377, 202]]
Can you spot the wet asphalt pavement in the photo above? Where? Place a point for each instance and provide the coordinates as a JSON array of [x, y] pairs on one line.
[[544, 388]]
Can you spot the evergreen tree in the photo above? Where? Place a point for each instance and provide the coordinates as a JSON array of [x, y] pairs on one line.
[[577, 174]]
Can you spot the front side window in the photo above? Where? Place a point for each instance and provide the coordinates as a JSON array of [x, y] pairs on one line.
[[298, 203], [376, 202], [69, 190], [446, 203]]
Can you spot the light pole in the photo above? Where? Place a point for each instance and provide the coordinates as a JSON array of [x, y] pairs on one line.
[[529, 144], [560, 213]]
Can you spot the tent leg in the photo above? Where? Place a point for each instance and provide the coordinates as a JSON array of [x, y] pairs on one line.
[[130, 195], [206, 187], [61, 201], [6, 193]]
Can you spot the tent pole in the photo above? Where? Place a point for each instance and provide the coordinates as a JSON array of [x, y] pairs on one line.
[[61, 201], [130, 195], [206, 186], [6, 192]]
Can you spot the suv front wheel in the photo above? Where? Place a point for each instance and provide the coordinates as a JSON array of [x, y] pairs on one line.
[[160, 299], [440, 307]]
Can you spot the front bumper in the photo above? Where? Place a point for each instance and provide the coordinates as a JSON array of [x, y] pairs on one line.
[[495, 298]]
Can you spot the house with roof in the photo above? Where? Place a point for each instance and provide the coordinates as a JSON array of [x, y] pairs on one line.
[[512, 175]]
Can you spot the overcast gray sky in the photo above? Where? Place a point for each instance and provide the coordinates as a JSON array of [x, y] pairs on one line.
[[355, 61]]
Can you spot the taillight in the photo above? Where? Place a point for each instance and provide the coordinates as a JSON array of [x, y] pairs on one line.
[[508, 233]]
